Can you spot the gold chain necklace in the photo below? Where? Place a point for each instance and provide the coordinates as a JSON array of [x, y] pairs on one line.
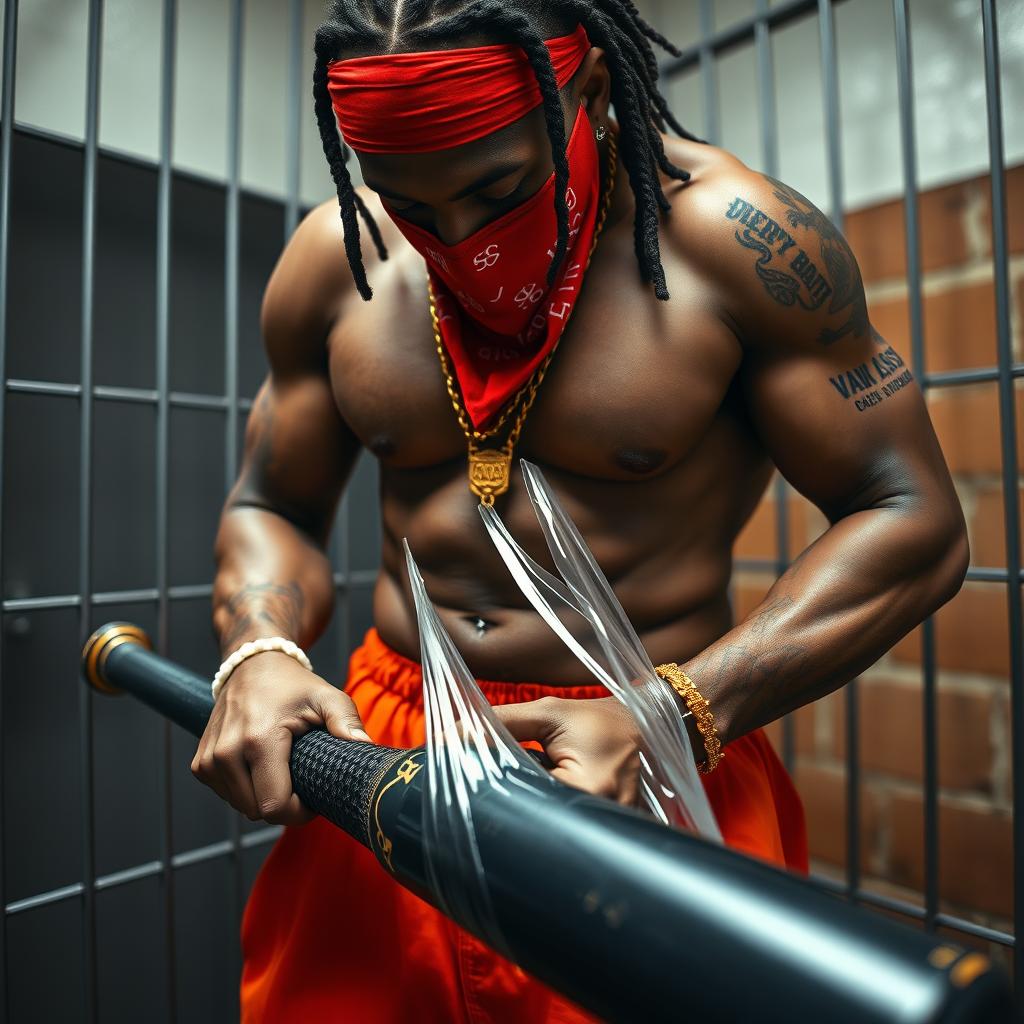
[[491, 468]]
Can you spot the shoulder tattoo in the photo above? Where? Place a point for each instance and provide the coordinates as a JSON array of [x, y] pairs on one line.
[[792, 276]]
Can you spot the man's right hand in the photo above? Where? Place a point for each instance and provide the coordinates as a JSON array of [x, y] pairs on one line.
[[243, 754]]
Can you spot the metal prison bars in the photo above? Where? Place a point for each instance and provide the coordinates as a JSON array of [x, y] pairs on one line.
[[702, 56]]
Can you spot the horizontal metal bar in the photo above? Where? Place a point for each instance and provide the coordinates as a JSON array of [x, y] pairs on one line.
[[913, 910], [950, 378], [126, 596], [37, 604], [65, 892], [204, 853], [356, 578], [754, 564], [118, 394], [148, 870], [738, 34], [43, 387], [979, 931], [153, 867], [190, 591], [147, 163], [196, 400], [107, 393], [987, 574]]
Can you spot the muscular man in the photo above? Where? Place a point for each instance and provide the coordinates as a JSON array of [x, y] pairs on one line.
[[720, 329]]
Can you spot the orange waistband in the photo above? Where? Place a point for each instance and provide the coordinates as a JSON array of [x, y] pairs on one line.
[[404, 677]]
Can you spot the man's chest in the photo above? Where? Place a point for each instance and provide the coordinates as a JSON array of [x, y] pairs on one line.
[[632, 388]]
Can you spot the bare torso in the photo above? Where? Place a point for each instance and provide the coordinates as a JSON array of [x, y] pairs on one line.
[[640, 426]]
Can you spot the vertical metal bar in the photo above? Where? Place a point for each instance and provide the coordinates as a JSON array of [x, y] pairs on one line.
[[709, 87], [766, 91], [929, 712], [296, 95], [830, 91], [92, 89], [1008, 431], [231, 241], [770, 162], [6, 127], [162, 340], [231, 276]]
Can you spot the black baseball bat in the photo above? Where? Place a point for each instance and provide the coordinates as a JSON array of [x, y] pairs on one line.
[[630, 919]]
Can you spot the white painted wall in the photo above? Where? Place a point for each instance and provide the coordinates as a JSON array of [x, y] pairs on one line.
[[948, 78], [50, 86], [949, 92]]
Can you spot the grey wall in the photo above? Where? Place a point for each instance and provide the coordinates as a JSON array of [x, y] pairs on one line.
[[49, 721]]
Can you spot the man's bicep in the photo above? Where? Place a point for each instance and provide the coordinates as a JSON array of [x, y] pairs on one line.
[[299, 452], [846, 424]]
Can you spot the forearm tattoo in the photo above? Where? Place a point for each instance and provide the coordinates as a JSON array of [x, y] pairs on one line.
[[794, 277], [262, 607], [765, 672]]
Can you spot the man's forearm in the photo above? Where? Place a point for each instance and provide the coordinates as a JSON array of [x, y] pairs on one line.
[[846, 600], [272, 580]]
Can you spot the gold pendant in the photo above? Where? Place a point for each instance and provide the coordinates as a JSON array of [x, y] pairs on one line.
[[489, 472]]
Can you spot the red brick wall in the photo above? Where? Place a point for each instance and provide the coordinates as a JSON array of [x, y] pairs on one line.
[[972, 635]]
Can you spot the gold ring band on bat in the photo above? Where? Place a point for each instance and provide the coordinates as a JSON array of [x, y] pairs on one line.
[[98, 647]]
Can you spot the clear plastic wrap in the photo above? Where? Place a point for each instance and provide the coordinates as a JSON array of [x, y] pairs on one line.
[[671, 784], [470, 753], [468, 749]]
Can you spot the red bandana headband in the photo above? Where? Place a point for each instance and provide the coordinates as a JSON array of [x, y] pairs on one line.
[[421, 102]]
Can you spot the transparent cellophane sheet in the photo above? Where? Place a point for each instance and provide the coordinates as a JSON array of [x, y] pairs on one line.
[[467, 746]]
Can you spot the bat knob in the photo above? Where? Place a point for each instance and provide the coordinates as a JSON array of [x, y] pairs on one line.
[[98, 647]]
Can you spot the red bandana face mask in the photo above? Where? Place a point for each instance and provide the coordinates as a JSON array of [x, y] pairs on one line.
[[497, 315]]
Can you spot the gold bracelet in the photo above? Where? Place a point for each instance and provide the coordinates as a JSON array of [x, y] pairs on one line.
[[701, 711]]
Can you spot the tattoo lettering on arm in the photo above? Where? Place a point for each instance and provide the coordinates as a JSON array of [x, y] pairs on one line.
[[794, 277], [869, 384], [262, 607]]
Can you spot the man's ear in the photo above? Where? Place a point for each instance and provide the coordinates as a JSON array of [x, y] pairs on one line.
[[594, 86]]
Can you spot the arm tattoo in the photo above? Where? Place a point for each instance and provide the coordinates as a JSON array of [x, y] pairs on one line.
[[262, 606], [790, 275], [762, 671], [869, 384]]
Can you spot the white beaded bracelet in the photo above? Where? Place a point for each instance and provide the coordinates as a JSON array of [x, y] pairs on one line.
[[261, 646]]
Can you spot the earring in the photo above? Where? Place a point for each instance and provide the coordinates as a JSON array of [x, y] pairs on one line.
[[600, 132]]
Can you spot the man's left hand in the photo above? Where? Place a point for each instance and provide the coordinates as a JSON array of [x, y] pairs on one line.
[[593, 743]]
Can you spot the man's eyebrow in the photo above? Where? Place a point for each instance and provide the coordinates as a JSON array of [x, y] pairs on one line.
[[386, 192], [496, 174], [493, 175]]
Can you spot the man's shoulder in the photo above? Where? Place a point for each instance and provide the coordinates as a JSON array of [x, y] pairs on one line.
[[700, 225], [312, 283], [777, 264]]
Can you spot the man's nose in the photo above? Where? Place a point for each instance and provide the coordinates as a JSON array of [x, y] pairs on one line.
[[453, 226]]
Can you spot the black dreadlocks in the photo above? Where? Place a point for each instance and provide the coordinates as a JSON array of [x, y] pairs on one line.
[[387, 26]]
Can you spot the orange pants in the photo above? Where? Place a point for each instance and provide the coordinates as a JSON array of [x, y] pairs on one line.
[[328, 936]]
